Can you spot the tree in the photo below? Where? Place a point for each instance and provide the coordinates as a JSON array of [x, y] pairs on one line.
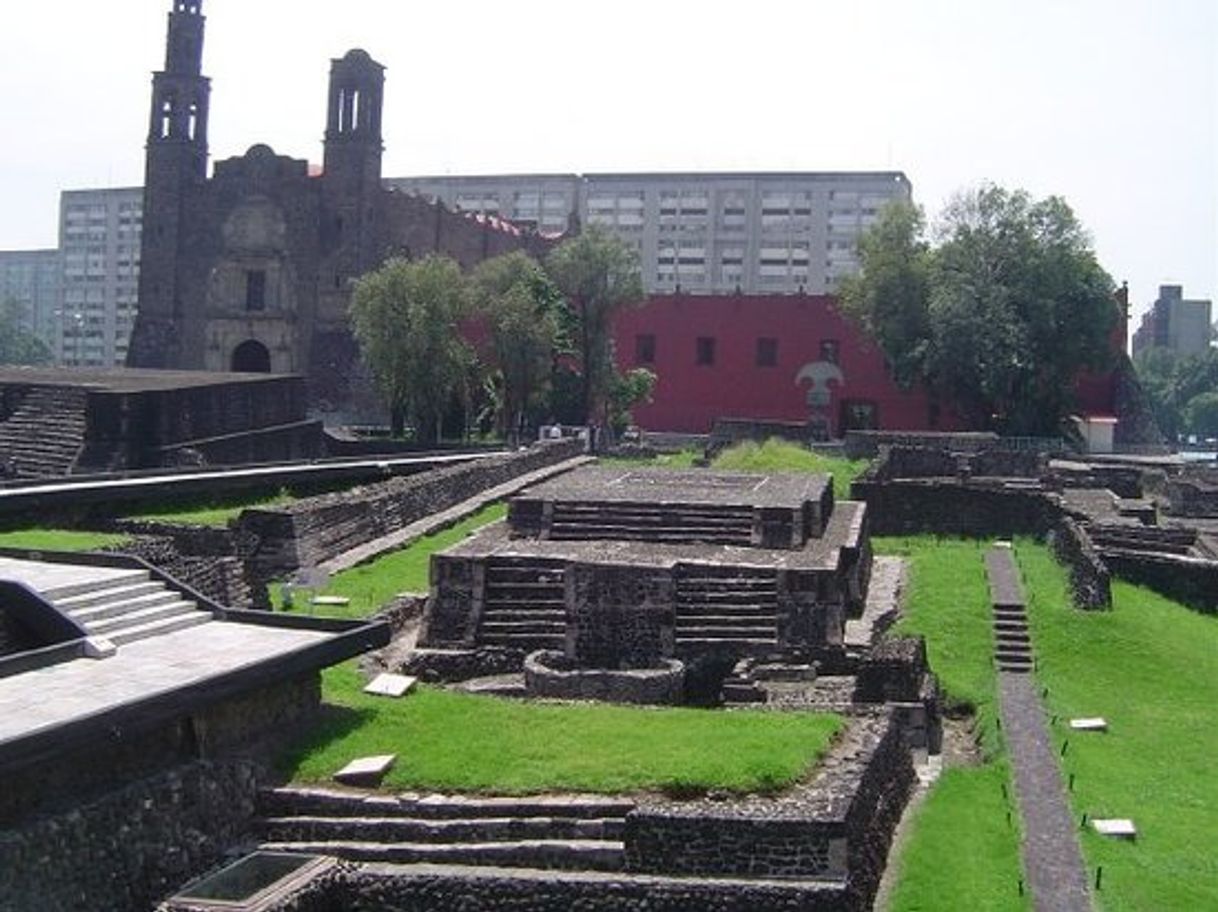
[[626, 391], [1173, 382], [406, 317], [599, 275], [1000, 316], [521, 308], [18, 345], [1201, 415]]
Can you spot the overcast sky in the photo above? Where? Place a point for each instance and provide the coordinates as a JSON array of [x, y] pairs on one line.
[[1109, 103]]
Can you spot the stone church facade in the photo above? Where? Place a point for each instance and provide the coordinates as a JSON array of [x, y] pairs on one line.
[[251, 269]]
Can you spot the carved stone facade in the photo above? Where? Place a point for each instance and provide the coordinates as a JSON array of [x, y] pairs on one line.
[[252, 269]]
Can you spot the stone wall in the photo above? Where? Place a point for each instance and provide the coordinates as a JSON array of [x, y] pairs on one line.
[[1189, 580], [551, 674], [127, 848], [1089, 577], [916, 506], [838, 825], [867, 444], [1196, 496], [209, 571], [620, 616], [14, 637], [313, 530]]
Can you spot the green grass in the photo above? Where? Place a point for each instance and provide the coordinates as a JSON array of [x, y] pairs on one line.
[[372, 585], [209, 512], [456, 741], [59, 540], [963, 851], [783, 456], [1150, 667], [683, 459]]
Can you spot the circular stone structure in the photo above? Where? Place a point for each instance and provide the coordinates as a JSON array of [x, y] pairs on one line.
[[550, 673]]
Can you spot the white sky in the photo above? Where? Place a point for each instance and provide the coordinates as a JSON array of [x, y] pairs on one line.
[[1109, 103]]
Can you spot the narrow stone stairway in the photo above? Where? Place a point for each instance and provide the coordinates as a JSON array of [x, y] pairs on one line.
[[45, 433], [524, 604], [1051, 855], [126, 608], [548, 832], [735, 607]]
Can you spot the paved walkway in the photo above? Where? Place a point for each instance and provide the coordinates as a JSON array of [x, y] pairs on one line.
[[883, 601], [445, 518], [1057, 876]]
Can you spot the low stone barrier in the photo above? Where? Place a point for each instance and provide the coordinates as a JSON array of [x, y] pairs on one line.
[[549, 673], [1090, 580]]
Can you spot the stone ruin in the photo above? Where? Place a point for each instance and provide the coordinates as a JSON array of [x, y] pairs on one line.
[[613, 581]]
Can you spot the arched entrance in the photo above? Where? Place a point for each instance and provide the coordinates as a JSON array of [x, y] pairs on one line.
[[251, 357]]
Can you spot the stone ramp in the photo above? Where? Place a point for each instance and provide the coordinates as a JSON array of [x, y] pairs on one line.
[[1051, 855]]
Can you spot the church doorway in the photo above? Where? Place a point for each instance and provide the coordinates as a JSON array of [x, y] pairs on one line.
[[251, 357]]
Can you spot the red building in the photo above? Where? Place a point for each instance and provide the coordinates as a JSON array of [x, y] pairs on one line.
[[764, 357]]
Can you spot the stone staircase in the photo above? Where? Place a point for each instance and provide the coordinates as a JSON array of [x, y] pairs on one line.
[[1012, 643], [524, 604], [548, 832], [726, 607], [126, 608], [45, 433], [668, 523]]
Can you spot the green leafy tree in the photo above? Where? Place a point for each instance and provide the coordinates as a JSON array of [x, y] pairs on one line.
[[599, 275], [522, 310], [1201, 414], [626, 391], [18, 345], [999, 316], [406, 316], [1173, 382]]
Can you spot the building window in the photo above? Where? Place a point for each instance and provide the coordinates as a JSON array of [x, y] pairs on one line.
[[767, 352], [645, 349], [705, 354], [255, 289], [830, 350]]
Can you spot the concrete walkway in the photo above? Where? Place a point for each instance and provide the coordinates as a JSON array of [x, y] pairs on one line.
[[445, 518], [1057, 876]]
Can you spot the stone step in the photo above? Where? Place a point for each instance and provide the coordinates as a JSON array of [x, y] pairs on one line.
[[513, 614], [746, 645], [105, 596], [714, 618], [142, 615], [632, 533], [67, 590], [417, 829], [732, 613], [516, 597], [528, 641], [288, 800], [582, 855], [157, 628], [715, 583], [119, 606], [543, 575], [525, 587], [726, 632], [726, 599], [602, 508], [1013, 636], [523, 628]]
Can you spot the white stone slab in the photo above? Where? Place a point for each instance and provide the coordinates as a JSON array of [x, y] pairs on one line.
[[329, 600], [390, 685], [366, 771], [1096, 724], [1118, 827], [1002, 543]]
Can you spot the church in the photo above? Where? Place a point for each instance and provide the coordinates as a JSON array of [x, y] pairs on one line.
[[251, 268]]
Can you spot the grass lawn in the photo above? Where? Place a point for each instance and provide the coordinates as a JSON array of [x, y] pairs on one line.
[[961, 852], [59, 539], [1150, 667], [372, 585], [448, 740], [783, 456], [680, 460], [209, 512]]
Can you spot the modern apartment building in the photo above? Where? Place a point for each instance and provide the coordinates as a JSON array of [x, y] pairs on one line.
[[99, 246], [717, 233], [30, 280], [1183, 326]]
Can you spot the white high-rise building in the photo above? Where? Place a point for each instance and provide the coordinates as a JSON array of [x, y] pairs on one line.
[[99, 245], [759, 233]]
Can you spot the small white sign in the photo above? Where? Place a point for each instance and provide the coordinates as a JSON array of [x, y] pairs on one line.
[[390, 685], [329, 600], [1096, 724], [366, 770], [1119, 828]]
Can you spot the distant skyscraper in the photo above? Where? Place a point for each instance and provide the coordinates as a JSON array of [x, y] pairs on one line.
[[759, 233], [30, 279], [1174, 323], [99, 245]]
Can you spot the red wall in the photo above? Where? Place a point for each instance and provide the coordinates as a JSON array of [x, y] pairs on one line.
[[689, 396]]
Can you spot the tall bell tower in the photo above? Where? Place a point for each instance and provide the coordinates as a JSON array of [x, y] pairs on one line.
[[175, 161]]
